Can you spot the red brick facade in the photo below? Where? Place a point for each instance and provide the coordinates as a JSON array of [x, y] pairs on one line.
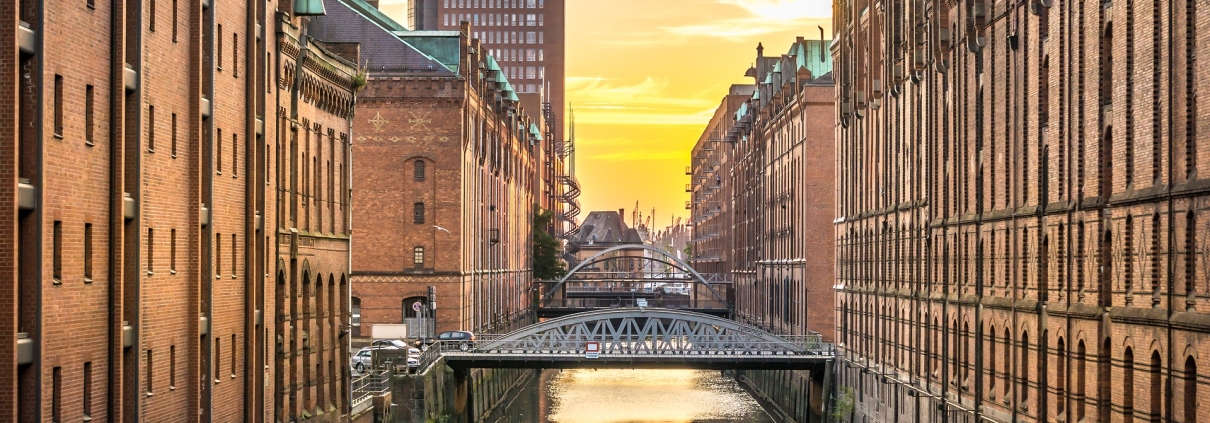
[[446, 172], [1021, 225], [141, 268], [762, 195]]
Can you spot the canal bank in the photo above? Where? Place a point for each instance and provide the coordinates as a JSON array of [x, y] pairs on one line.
[[789, 396], [441, 394]]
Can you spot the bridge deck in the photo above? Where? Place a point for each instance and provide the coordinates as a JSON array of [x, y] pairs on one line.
[[635, 361]]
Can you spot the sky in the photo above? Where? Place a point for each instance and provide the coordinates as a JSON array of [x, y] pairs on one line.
[[645, 76]]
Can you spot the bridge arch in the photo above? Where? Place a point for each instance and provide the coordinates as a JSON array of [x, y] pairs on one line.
[[650, 331], [668, 259]]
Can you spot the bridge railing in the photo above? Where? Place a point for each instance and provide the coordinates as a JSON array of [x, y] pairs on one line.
[[669, 303], [629, 345]]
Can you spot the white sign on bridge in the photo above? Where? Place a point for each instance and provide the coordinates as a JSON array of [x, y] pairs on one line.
[[592, 350]]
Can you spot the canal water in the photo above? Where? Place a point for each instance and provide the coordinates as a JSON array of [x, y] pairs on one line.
[[630, 396]]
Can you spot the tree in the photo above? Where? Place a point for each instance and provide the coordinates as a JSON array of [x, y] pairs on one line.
[[547, 265]]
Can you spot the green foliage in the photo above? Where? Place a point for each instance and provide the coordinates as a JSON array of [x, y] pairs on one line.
[[547, 265], [844, 404]]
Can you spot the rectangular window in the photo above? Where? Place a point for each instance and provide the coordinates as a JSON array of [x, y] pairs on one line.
[[87, 389], [418, 256], [541, 19], [56, 407], [150, 251], [235, 55], [531, 19], [151, 13], [218, 151], [88, 110], [418, 213], [172, 252], [531, 72], [531, 37], [218, 255], [150, 371], [233, 260], [234, 154], [233, 344], [219, 45], [174, 20], [218, 355], [172, 367], [87, 252], [150, 129], [540, 37], [174, 135], [58, 106], [446, 18], [58, 251]]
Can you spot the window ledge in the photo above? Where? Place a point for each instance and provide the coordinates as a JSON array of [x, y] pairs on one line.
[[58, 281], [89, 144], [87, 281]]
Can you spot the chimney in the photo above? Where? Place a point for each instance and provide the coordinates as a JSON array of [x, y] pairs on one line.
[[622, 215]]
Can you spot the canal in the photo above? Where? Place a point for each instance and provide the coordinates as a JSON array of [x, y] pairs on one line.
[[630, 396]]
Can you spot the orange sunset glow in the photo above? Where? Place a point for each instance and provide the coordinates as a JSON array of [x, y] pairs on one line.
[[644, 77]]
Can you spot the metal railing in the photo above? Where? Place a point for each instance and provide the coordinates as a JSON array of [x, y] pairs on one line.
[[600, 303], [369, 384]]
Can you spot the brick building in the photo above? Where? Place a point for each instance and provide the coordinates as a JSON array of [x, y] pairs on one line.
[[153, 176], [761, 196], [445, 176], [526, 38], [1021, 225], [761, 200]]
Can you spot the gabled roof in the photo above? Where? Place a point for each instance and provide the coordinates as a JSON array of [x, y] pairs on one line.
[[382, 51]]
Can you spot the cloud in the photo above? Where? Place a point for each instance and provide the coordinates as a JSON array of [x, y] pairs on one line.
[[763, 17], [784, 10], [598, 100]]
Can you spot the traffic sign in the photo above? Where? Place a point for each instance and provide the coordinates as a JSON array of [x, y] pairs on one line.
[[416, 306], [642, 302], [592, 350]]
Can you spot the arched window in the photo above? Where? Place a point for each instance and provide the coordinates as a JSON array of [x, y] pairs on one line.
[[1190, 402], [991, 360], [1024, 366], [418, 213], [1190, 254], [1157, 387], [1128, 386], [418, 169], [1061, 374], [1081, 376], [1105, 381]]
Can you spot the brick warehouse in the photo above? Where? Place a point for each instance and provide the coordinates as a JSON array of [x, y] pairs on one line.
[[147, 222], [527, 39], [447, 167], [762, 200], [1022, 222]]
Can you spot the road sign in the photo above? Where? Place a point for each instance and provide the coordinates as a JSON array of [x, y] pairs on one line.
[[592, 350], [642, 302], [416, 306]]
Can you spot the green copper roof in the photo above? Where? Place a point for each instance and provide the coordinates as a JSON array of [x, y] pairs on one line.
[[533, 130], [309, 8], [512, 95], [808, 55], [443, 46]]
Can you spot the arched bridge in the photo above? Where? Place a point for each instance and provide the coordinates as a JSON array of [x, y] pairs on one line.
[[629, 275], [638, 338]]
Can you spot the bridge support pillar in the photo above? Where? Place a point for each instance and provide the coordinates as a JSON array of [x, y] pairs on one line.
[[464, 407]]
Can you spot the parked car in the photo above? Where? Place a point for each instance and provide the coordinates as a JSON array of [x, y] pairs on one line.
[[463, 339], [413, 363], [362, 360]]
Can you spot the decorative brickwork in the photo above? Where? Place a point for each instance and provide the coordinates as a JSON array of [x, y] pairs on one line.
[[1018, 199]]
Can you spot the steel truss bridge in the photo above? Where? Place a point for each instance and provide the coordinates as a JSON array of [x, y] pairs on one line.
[[636, 338], [620, 276]]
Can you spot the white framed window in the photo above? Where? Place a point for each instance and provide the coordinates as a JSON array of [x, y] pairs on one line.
[[541, 19], [531, 55], [531, 19], [531, 72], [529, 88], [446, 17], [531, 37], [540, 58], [540, 37], [541, 72]]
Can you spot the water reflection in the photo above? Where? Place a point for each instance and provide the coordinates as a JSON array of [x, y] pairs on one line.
[[631, 396]]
